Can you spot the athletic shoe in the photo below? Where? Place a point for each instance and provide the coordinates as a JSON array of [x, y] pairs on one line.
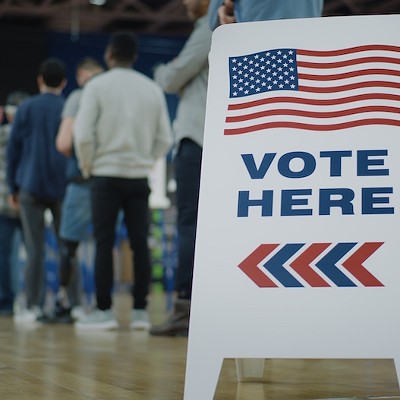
[[177, 323], [98, 319], [78, 313], [28, 315], [61, 315], [140, 320]]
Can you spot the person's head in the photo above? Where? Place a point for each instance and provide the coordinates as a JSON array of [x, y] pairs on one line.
[[196, 8], [53, 72], [121, 50], [86, 69], [14, 99]]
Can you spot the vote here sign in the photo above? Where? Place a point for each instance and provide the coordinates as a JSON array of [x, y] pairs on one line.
[[298, 231]]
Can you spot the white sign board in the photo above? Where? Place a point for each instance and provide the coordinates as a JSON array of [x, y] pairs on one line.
[[298, 232]]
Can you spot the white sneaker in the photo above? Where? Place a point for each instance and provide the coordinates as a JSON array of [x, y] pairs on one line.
[[28, 315], [140, 320], [98, 319], [78, 313]]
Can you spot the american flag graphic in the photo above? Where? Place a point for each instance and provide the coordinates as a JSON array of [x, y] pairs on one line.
[[314, 90]]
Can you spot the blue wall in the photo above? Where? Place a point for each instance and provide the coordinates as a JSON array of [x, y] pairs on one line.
[[152, 50]]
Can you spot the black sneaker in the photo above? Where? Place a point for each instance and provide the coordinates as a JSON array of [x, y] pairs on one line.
[[61, 315]]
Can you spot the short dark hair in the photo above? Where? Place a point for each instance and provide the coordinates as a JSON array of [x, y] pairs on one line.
[[123, 46], [53, 72]]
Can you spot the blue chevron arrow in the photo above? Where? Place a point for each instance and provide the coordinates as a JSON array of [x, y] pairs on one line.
[[275, 265], [328, 267]]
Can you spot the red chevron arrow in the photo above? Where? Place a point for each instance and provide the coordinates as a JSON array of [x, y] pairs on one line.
[[250, 265], [354, 264], [302, 265]]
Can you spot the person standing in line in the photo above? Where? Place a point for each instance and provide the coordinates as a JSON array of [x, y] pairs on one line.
[[9, 217], [36, 175], [187, 76], [121, 129], [76, 215], [229, 11]]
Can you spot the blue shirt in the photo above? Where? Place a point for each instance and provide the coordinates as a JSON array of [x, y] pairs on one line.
[[264, 10], [33, 162]]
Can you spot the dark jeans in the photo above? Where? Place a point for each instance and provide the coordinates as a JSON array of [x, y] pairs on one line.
[[109, 196], [187, 174], [8, 229], [32, 212]]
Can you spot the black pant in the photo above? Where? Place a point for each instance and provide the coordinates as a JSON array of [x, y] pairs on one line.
[[187, 174], [32, 212], [109, 196]]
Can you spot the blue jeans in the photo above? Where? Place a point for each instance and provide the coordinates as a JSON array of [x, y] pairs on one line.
[[187, 174], [109, 196], [8, 229]]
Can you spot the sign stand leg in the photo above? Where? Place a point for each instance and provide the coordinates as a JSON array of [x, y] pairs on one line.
[[249, 368], [397, 365], [202, 374]]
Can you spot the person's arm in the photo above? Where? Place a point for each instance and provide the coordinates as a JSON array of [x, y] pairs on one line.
[[176, 74], [226, 13], [64, 139], [220, 12], [163, 140], [85, 130], [14, 154]]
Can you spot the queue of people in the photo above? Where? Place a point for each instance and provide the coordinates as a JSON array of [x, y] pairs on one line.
[[101, 145], [50, 156]]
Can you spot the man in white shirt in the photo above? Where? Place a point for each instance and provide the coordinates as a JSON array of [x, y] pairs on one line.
[[121, 129]]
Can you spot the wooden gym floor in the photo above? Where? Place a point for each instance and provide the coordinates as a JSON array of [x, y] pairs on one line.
[[48, 362]]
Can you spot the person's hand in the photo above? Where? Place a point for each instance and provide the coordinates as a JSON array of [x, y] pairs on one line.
[[13, 200], [225, 13]]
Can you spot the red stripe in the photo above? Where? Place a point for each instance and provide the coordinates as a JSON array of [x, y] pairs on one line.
[[349, 50], [346, 63], [354, 264], [302, 265], [344, 88], [313, 114], [312, 127], [352, 74], [316, 102], [250, 265]]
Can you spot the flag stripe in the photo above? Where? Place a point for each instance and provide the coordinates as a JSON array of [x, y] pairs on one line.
[[349, 50], [313, 101], [346, 63], [312, 127], [345, 88], [351, 74], [315, 114], [324, 90]]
